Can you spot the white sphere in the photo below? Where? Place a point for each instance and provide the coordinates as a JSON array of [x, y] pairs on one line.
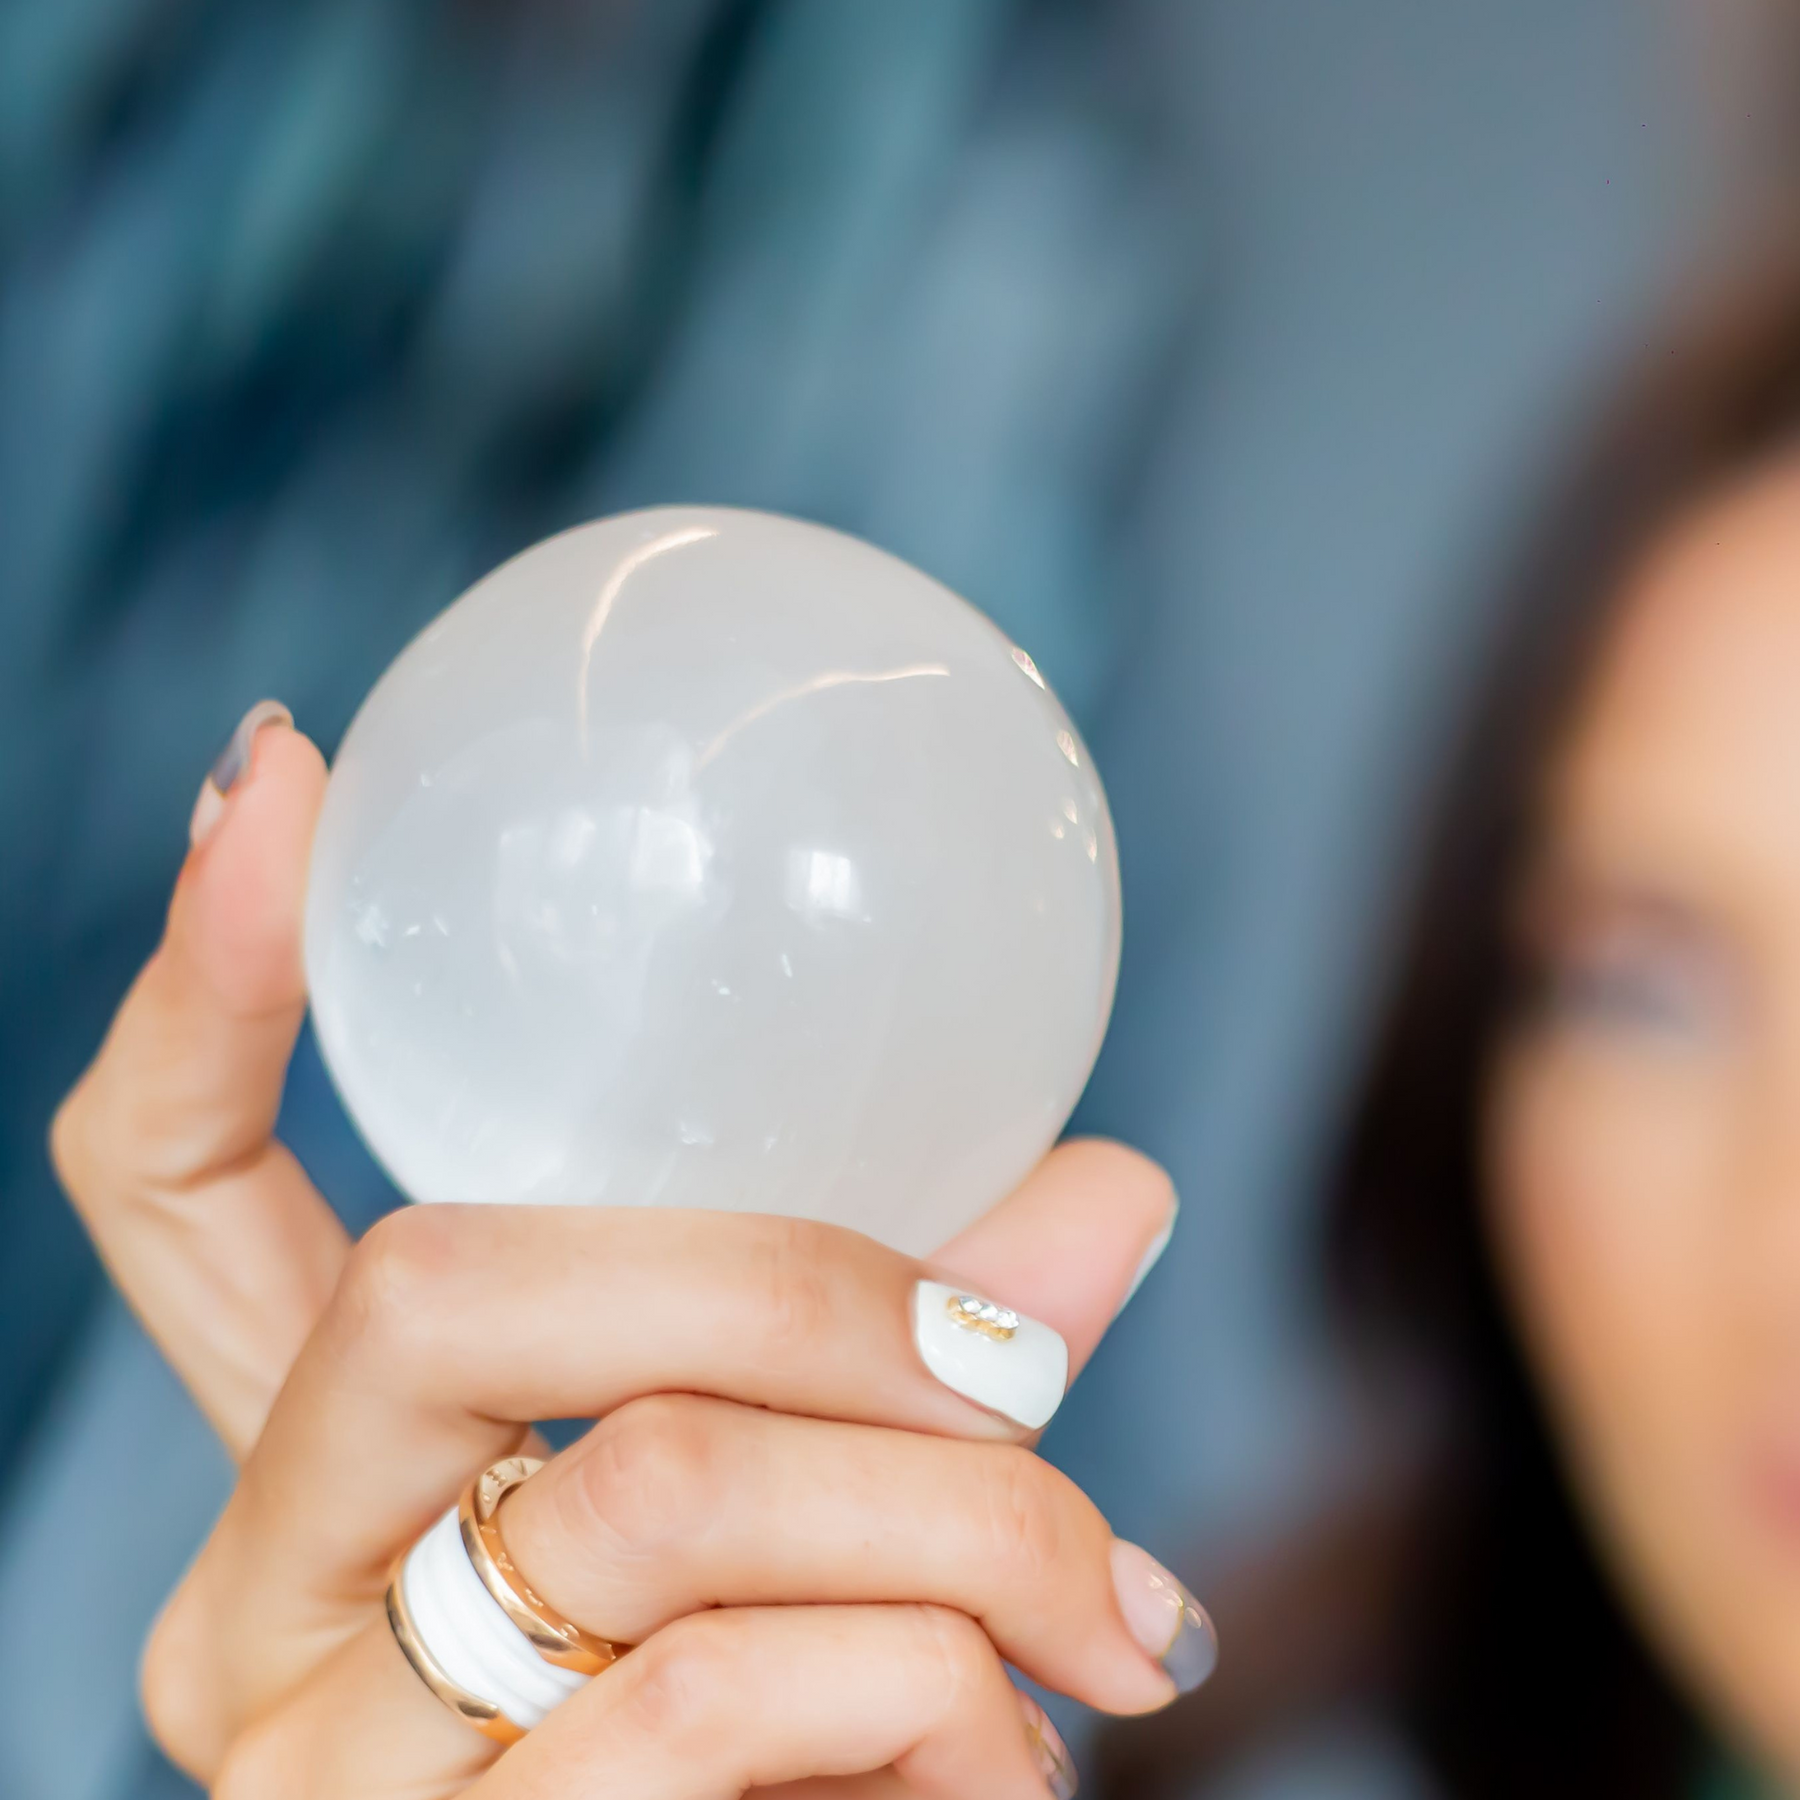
[[700, 857]]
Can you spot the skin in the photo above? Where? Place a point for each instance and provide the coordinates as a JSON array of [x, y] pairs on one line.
[[1644, 1152], [1644, 1127], [821, 1553]]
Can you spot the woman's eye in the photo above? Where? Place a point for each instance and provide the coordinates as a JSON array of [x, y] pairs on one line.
[[1657, 994]]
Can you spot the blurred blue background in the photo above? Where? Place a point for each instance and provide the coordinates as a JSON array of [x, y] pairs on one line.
[[1209, 347]]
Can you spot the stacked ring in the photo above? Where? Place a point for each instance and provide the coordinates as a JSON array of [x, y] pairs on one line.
[[484, 1715], [480, 1639], [556, 1639]]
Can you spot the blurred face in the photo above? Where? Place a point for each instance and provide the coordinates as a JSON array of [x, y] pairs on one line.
[[1645, 1118]]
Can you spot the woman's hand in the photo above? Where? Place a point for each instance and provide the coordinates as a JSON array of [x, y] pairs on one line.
[[822, 1549]]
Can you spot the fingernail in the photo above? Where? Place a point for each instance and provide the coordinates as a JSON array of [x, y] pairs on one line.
[[1153, 1255], [229, 767], [989, 1354], [1164, 1617], [1054, 1762]]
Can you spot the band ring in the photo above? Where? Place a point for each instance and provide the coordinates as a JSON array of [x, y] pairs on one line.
[[556, 1639], [484, 1715]]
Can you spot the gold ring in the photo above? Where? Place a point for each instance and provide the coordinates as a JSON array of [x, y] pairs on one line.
[[556, 1639], [484, 1715]]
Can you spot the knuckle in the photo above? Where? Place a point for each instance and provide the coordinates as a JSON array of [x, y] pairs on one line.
[[688, 1680], [793, 1282], [960, 1660], [1024, 1515], [643, 1470], [176, 1690], [259, 1765], [72, 1142], [392, 1289]]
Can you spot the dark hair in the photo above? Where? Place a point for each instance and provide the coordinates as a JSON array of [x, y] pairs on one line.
[[1483, 1624]]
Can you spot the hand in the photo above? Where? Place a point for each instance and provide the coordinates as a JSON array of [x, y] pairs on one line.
[[822, 1550]]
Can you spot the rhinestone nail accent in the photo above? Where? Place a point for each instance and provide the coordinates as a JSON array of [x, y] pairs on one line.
[[973, 1313]]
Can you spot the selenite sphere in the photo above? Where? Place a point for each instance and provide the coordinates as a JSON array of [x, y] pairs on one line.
[[700, 857]]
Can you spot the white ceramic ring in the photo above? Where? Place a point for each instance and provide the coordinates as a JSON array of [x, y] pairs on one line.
[[465, 1629]]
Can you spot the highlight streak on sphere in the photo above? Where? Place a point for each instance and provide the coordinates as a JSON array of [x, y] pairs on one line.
[[706, 858]]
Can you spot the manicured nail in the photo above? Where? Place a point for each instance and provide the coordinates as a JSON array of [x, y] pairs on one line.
[[1164, 1617], [1153, 1255], [229, 767], [1054, 1762], [989, 1354]]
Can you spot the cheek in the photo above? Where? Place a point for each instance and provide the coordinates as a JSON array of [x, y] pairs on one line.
[[1619, 1185], [1607, 1175]]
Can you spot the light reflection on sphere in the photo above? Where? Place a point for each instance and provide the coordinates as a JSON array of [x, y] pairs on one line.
[[700, 857]]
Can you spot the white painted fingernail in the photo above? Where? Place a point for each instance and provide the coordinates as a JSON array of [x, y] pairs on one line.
[[1153, 1255], [989, 1354]]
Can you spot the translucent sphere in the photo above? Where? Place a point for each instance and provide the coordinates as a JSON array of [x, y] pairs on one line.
[[700, 857]]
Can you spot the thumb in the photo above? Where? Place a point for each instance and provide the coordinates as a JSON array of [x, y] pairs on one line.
[[1070, 1245]]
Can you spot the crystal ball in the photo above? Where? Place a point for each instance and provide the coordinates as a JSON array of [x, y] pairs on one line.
[[702, 857]]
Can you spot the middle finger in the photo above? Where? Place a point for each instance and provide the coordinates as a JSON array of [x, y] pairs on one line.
[[675, 1504]]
